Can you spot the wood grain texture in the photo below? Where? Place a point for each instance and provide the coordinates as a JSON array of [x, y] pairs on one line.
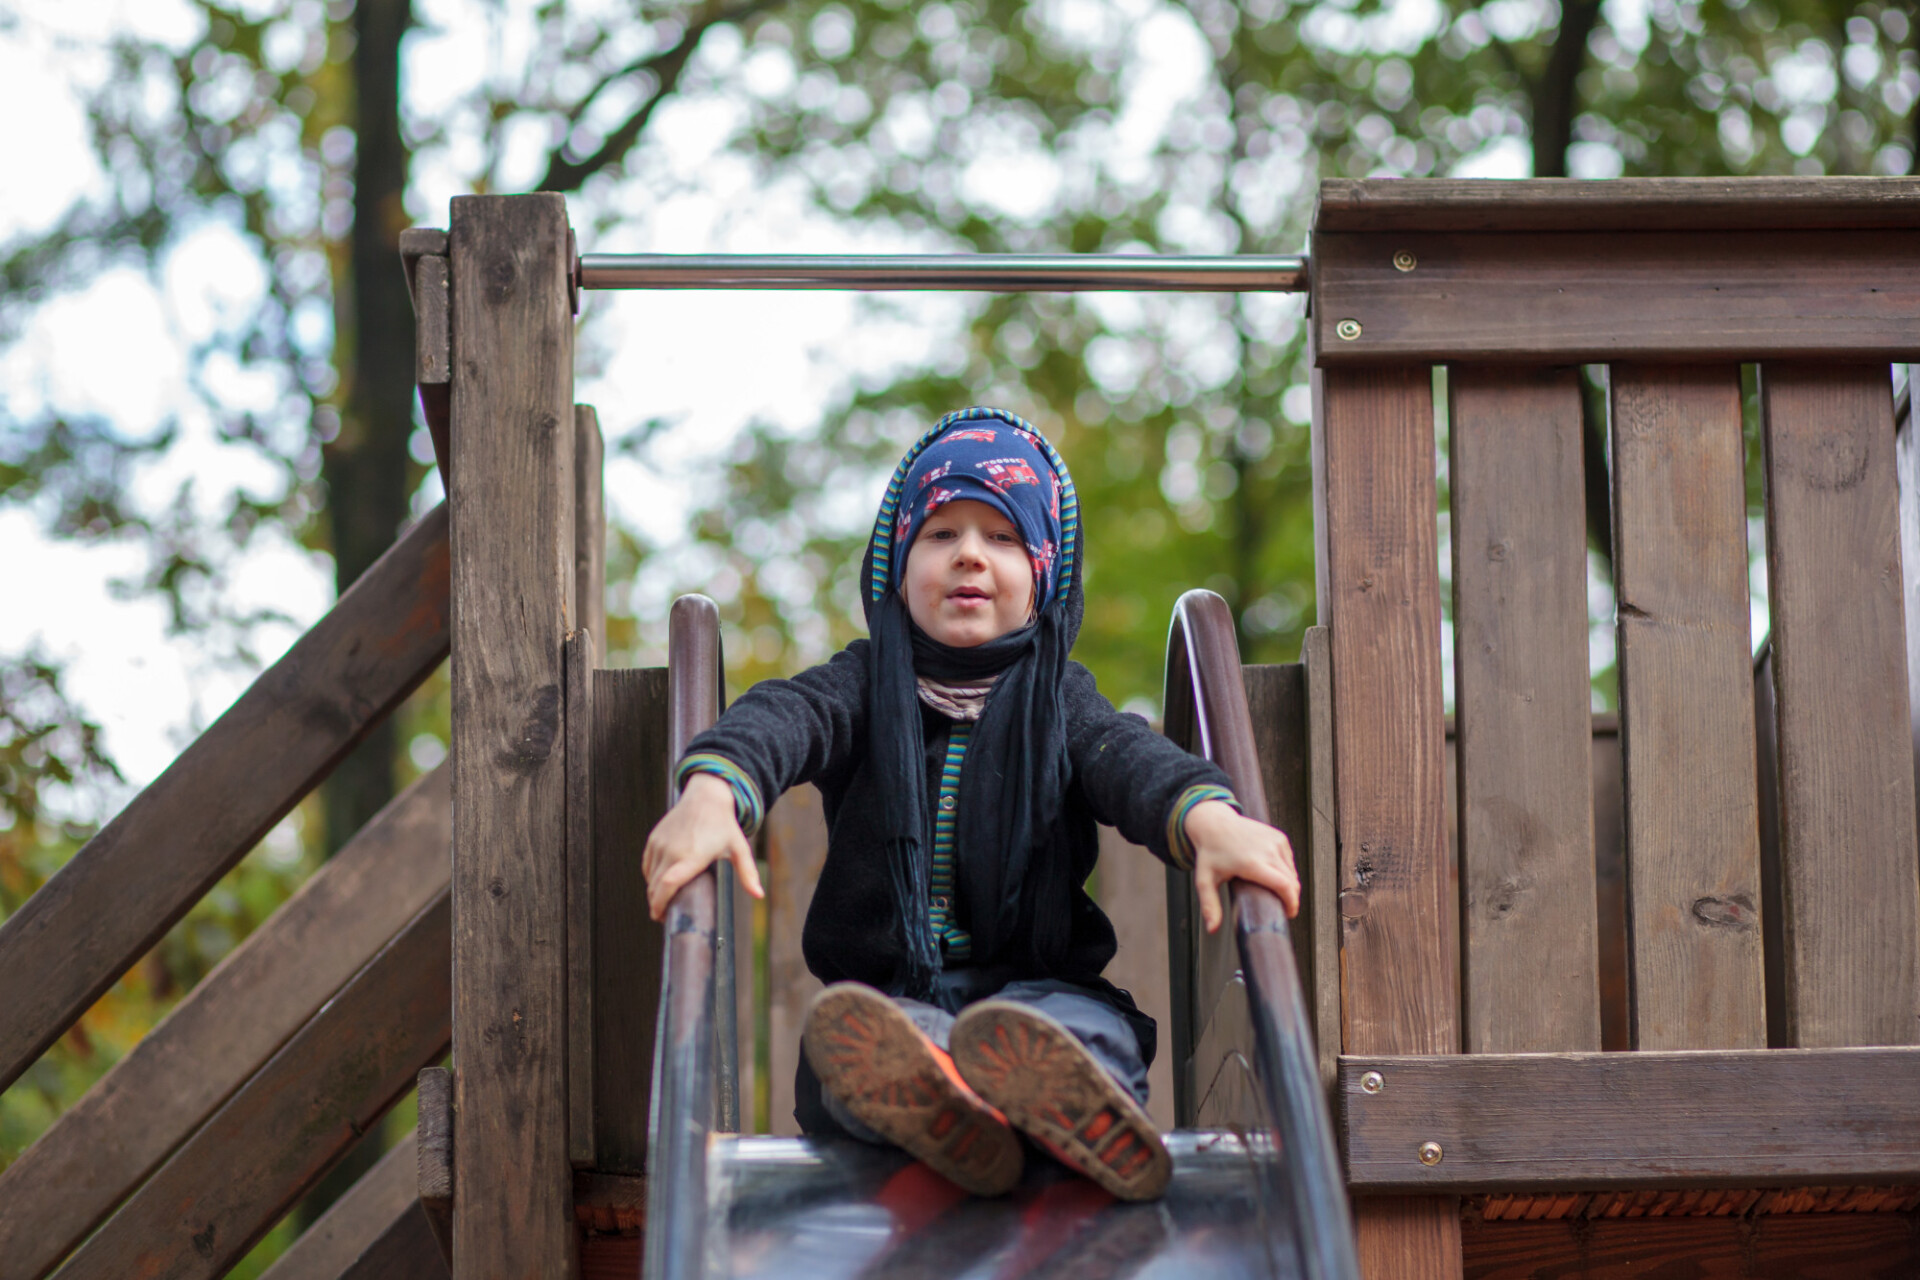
[[1320, 865], [354, 1222], [580, 889], [1132, 891], [107, 907], [1703, 1202], [1587, 1121], [432, 332], [1381, 604], [1850, 880], [109, 1141], [1610, 884], [1907, 476], [513, 573], [405, 1250], [796, 841], [433, 1167], [589, 525], [1570, 298], [629, 795], [1624, 204], [1809, 1247], [1524, 732], [228, 1184], [1686, 708]]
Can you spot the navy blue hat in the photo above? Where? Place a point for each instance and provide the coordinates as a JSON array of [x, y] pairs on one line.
[[991, 456]]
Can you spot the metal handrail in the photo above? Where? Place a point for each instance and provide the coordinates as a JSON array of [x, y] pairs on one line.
[[982, 272], [695, 1071], [1207, 711]]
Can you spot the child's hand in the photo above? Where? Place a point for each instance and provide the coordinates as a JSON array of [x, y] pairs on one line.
[[1227, 846], [697, 832]]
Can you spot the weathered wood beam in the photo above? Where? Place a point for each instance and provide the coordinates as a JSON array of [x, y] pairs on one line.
[[433, 1171], [354, 1222], [1624, 204], [1567, 297], [1857, 1246], [107, 1143], [237, 1176], [130, 883], [1593, 1121], [513, 575]]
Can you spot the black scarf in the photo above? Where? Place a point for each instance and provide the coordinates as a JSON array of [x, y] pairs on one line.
[[1012, 785]]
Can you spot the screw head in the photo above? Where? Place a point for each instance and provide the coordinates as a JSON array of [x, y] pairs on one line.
[[1372, 1082], [1430, 1153], [1347, 330], [1405, 261]]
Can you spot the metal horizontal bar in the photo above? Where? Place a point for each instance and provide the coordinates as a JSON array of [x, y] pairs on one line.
[[988, 273]]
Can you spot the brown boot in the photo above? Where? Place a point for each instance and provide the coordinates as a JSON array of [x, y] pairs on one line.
[[1052, 1089], [884, 1070]]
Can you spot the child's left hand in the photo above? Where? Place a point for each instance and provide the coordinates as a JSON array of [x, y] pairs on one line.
[[1228, 846]]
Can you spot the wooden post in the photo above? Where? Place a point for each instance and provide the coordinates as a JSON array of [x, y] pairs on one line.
[[587, 640], [589, 526], [1376, 521], [513, 582]]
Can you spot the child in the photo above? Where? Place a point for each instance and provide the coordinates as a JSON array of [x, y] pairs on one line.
[[964, 762]]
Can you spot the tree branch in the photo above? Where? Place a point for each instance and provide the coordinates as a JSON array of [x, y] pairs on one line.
[[1555, 95]]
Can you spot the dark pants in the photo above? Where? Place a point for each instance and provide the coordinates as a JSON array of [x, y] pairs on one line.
[[1103, 1029]]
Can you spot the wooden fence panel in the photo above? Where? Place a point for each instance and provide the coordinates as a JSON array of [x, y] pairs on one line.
[[796, 841], [513, 570], [130, 883], [1380, 599], [228, 1185], [64, 1185], [1686, 708], [629, 796], [1524, 730], [355, 1222], [1849, 877], [1133, 893]]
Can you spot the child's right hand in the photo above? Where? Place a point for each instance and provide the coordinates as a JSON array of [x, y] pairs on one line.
[[697, 832]]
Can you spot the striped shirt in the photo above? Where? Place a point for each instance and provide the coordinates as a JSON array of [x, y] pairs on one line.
[[957, 942]]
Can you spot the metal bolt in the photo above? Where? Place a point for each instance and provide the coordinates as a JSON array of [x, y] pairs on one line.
[[1372, 1082], [1430, 1153], [1348, 329], [1405, 261]]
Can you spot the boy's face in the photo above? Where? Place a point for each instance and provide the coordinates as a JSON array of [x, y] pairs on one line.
[[968, 577]]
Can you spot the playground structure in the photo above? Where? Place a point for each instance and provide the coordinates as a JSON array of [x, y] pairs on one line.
[[1762, 918]]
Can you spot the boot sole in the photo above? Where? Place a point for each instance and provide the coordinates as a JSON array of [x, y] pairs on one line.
[[1036, 1071], [872, 1058]]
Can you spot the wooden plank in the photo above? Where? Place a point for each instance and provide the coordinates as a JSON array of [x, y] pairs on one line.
[[796, 836], [1610, 884], [109, 1141], [236, 1177], [1591, 1121], [1686, 709], [406, 1250], [1809, 1247], [610, 1202], [1376, 513], [1132, 891], [1320, 869], [1524, 736], [433, 1170], [629, 795], [1580, 297], [428, 278], [354, 1222], [107, 907], [580, 881], [746, 1007], [513, 579], [589, 525], [1849, 877], [1623, 204], [1907, 476]]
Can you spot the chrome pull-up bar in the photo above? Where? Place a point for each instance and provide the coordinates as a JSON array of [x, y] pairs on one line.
[[989, 273]]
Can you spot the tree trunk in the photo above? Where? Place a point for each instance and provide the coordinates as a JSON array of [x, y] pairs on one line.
[[366, 466]]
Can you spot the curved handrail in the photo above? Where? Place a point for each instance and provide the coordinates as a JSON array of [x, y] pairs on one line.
[[693, 1056], [1207, 712]]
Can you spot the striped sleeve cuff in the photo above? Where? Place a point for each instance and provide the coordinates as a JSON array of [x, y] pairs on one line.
[[746, 796], [1178, 846]]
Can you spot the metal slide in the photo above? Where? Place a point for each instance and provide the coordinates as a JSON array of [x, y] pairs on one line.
[[1266, 1203]]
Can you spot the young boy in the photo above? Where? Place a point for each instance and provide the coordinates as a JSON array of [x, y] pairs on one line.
[[964, 762]]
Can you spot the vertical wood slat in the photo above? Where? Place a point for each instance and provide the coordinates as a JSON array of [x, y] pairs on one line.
[[586, 643], [1907, 477], [796, 836], [589, 525], [1849, 879], [629, 796], [1133, 893], [1380, 599], [745, 1003], [513, 574], [1686, 708], [1524, 735], [1320, 870]]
